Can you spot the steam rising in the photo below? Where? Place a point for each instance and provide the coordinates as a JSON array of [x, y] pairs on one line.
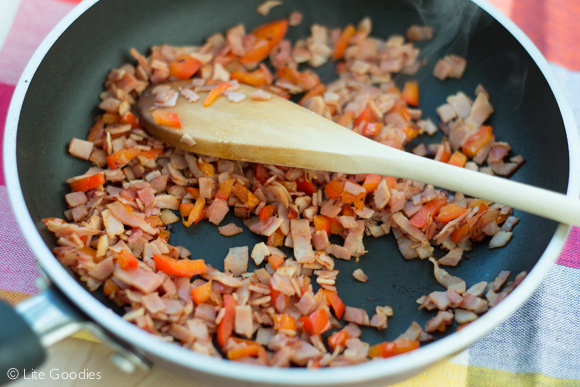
[[453, 21]]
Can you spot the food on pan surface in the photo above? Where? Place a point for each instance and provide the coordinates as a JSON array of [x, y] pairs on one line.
[[288, 311]]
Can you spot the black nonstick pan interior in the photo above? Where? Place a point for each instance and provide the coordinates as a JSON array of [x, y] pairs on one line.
[[63, 96]]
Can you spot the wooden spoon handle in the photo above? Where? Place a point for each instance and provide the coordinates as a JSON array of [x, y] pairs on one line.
[[537, 201]]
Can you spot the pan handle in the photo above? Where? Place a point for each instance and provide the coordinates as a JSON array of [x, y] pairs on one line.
[[32, 326]]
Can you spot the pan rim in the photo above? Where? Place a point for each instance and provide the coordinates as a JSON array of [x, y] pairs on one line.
[[396, 367]]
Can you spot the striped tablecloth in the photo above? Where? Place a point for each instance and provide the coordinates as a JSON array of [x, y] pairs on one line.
[[538, 346]]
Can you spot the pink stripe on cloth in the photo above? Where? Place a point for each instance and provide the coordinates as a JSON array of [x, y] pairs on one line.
[[34, 20], [17, 263], [6, 92], [570, 255]]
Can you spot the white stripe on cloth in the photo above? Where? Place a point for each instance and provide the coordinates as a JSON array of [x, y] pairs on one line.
[[17, 263], [570, 81], [543, 336]]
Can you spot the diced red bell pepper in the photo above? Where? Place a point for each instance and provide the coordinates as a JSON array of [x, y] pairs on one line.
[[166, 118], [262, 174], [342, 42], [276, 239], [269, 35], [335, 302], [322, 223], [87, 183], [338, 338], [477, 141], [122, 157], [334, 189], [320, 322], [240, 352], [305, 186], [429, 210], [225, 189], [267, 211], [153, 153], [129, 118], [226, 325], [256, 78], [184, 66], [196, 212], [371, 182], [284, 321], [275, 261], [127, 260], [245, 195], [206, 168], [179, 267], [458, 159], [410, 93], [335, 226], [215, 92], [201, 293], [450, 212]]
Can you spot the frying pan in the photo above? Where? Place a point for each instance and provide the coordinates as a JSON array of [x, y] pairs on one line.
[[56, 100]]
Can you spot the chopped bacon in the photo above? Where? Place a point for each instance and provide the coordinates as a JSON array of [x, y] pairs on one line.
[[217, 211], [267, 226], [139, 278], [356, 315], [300, 229], [230, 230], [236, 262], [119, 211]]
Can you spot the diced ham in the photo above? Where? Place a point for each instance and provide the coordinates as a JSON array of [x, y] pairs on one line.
[[497, 154], [302, 352], [347, 221], [243, 321], [439, 322], [463, 316], [500, 239], [506, 169], [146, 196], [480, 111], [230, 230], [236, 262], [76, 198], [446, 280], [112, 225], [382, 194], [359, 275], [331, 209], [268, 226], [397, 200], [338, 251], [153, 303], [477, 289], [379, 321], [205, 312], [205, 187], [452, 258], [356, 315], [353, 241], [405, 248], [264, 8], [500, 280], [408, 228], [417, 33], [446, 113], [217, 211], [475, 304], [440, 300], [103, 269], [216, 275], [295, 18], [129, 218], [460, 104], [300, 229], [283, 284], [260, 95], [190, 95], [260, 252], [442, 69], [320, 240], [139, 278], [307, 303]]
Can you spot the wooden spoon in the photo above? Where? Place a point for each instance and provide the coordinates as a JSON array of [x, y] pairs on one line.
[[280, 132]]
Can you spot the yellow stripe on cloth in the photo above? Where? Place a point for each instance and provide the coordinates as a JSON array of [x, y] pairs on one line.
[[446, 374], [488, 377], [14, 298]]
